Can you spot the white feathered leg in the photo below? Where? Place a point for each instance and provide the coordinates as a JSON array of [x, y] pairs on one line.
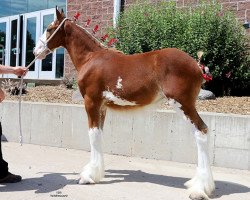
[[93, 172], [202, 184]]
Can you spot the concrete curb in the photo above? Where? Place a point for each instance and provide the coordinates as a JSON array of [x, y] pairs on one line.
[[143, 133]]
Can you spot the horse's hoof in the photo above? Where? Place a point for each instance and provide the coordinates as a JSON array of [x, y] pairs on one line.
[[198, 196], [85, 181], [91, 175], [200, 184], [190, 183]]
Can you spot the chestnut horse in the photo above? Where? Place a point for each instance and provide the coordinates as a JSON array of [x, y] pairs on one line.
[[109, 78]]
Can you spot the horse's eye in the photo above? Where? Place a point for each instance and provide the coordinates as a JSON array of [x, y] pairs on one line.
[[49, 29]]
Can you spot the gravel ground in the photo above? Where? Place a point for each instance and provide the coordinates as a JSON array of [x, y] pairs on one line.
[[59, 94]]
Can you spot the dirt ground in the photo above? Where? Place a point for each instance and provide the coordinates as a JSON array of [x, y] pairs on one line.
[[60, 94]]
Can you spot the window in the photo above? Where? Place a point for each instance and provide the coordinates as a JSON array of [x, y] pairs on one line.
[[15, 7]]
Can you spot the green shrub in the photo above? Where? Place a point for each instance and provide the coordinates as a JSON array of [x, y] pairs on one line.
[[144, 27]]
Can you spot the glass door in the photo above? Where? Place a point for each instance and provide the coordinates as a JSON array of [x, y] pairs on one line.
[[4, 45], [14, 48], [18, 37], [48, 65], [35, 24], [31, 33]]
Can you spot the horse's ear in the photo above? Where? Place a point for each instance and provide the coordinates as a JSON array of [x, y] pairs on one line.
[[58, 14], [62, 13]]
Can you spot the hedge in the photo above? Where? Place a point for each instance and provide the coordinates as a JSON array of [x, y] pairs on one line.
[[145, 27]]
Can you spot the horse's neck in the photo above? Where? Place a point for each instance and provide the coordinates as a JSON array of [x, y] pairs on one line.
[[79, 44]]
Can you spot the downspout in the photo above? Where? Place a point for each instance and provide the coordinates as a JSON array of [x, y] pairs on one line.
[[117, 10]]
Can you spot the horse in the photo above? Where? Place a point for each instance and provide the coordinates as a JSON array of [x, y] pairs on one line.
[[108, 78]]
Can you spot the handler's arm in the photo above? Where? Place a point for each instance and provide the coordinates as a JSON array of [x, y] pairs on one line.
[[19, 71]]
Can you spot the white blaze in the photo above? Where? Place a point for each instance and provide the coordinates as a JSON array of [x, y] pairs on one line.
[[40, 45]]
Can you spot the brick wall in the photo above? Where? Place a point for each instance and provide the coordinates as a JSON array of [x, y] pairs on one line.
[[101, 13], [240, 7]]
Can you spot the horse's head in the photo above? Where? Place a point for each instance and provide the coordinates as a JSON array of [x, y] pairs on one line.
[[46, 43]]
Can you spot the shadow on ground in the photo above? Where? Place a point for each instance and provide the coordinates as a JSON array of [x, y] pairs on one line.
[[222, 187], [50, 182]]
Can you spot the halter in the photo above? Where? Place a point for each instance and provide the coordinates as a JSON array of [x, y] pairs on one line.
[[45, 45]]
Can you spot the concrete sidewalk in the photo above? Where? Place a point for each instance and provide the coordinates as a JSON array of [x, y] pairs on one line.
[[52, 173]]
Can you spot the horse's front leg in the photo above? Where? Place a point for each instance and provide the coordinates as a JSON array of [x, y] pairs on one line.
[[93, 172]]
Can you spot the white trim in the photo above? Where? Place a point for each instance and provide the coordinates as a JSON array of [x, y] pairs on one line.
[[117, 9], [31, 74], [48, 74], [12, 18], [7, 44]]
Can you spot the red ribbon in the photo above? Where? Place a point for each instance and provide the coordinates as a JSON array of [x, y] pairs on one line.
[[95, 29], [88, 22], [112, 41], [103, 38], [207, 77], [77, 15]]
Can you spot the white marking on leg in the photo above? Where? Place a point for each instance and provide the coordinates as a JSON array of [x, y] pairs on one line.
[[202, 183], [203, 180], [177, 107], [117, 100], [94, 171], [119, 83]]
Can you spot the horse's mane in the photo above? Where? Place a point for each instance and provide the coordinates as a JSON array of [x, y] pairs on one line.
[[97, 41], [115, 50]]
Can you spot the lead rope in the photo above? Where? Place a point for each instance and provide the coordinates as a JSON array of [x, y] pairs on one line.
[[21, 81], [20, 98]]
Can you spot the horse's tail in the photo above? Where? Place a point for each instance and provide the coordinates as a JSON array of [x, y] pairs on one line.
[[199, 54], [207, 76]]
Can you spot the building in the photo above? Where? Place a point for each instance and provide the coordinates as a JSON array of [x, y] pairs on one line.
[[21, 24], [23, 21]]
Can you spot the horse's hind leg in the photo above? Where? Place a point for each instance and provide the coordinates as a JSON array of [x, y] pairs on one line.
[[202, 184], [93, 172]]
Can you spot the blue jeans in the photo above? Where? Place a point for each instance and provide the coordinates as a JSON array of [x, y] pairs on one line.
[[3, 163]]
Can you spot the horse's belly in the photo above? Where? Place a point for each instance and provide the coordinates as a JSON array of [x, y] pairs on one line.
[[111, 98], [117, 102]]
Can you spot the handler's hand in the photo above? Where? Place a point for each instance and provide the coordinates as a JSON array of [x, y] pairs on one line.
[[20, 71], [2, 95]]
